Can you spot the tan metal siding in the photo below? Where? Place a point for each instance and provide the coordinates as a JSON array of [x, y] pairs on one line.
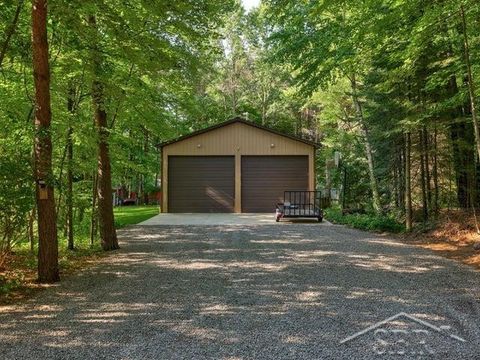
[[236, 139]]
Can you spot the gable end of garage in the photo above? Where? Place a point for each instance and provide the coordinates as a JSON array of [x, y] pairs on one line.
[[199, 182]]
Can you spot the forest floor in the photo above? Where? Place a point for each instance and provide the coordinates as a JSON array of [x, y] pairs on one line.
[[19, 273], [452, 236]]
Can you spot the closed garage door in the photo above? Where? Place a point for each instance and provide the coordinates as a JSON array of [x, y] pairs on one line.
[[265, 178], [201, 183]]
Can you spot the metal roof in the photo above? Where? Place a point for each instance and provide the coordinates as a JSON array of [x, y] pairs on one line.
[[237, 120]]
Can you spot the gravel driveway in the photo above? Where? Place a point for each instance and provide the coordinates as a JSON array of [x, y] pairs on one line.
[[252, 292]]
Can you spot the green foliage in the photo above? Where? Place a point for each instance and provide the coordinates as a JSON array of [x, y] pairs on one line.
[[16, 192], [153, 54], [9, 285], [173, 67], [408, 61], [370, 222]]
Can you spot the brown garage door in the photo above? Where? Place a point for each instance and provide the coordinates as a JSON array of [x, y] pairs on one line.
[[265, 178], [201, 183]]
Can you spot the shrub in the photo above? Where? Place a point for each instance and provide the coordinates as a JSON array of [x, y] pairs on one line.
[[370, 222]]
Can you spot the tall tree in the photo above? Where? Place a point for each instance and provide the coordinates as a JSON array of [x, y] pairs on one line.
[[69, 149], [408, 188], [471, 84], [108, 234], [368, 146], [47, 226], [10, 31]]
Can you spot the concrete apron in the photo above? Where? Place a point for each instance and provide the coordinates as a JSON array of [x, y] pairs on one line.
[[223, 219]]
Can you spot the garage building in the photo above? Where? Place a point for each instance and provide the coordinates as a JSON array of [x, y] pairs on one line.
[[236, 166]]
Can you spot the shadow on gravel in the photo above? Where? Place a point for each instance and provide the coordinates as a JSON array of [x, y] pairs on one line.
[[243, 292]]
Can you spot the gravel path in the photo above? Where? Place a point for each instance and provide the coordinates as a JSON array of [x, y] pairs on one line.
[[251, 292]]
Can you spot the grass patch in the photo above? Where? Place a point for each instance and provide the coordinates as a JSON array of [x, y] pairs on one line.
[[369, 222], [129, 215]]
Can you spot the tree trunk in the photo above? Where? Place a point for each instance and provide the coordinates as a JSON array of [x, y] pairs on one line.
[[328, 181], [396, 186], [47, 220], [108, 235], [139, 189], [344, 188], [408, 189], [463, 155], [371, 172], [368, 148], [435, 173], [234, 87], [31, 234], [80, 213], [426, 151], [264, 106], [69, 195], [401, 171], [471, 85], [93, 218], [422, 176], [145, 151], [10, 31]]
